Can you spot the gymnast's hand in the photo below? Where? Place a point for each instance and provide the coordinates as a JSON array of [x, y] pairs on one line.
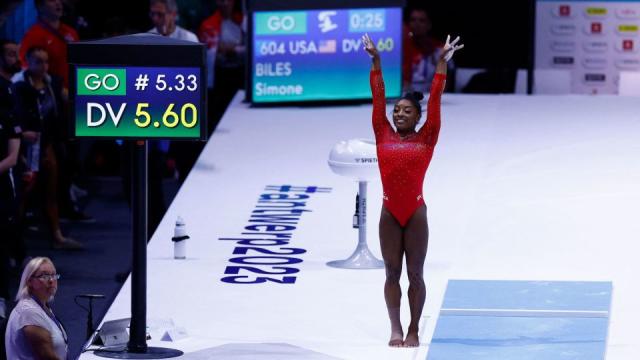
[[369, 47], [450, 48], [372, 51]]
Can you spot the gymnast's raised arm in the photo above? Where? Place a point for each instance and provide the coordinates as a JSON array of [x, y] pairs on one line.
[[432, 127], [379, 118]]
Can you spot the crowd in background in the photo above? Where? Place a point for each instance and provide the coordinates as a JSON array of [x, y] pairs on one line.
[[43, 172]]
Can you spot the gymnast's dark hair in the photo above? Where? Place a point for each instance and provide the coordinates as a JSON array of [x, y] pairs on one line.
[[414, 97]]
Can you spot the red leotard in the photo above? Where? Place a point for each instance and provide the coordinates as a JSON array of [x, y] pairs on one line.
[[403, 162]]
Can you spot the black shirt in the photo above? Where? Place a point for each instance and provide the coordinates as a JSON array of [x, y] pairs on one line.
[[8, 127], [6, 101], [8, 130], [39, 110]]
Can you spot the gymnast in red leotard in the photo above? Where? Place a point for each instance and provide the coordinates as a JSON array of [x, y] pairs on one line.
[[403, 157]]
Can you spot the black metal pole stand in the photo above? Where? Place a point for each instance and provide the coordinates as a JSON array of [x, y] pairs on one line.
[[137, 347], [139, 194]]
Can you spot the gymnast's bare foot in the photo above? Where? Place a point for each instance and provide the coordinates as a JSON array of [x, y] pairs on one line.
[[396, 339], [412, 340]]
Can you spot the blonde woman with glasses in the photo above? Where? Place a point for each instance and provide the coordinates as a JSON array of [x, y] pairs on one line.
[[33, 331]]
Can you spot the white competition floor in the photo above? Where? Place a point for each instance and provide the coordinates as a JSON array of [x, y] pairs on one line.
[[520, 188]]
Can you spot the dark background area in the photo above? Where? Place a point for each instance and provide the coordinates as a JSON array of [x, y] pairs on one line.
[[495, 34]]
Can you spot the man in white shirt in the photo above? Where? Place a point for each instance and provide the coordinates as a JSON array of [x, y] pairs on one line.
[[164, 14]]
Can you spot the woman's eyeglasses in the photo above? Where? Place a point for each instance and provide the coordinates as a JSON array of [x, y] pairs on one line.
[[47, 277]]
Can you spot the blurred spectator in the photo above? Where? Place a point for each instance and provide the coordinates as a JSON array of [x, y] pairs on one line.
[[421, 52], [52, 35], [38, 107], [223, 34], [9, 149], [9, 65], [164, 14], [33, 330]]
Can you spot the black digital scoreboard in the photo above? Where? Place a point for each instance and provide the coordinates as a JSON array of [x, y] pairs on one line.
[[138, 87]]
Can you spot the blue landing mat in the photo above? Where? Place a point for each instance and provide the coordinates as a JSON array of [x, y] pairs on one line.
[[529, 295], [557, 337]]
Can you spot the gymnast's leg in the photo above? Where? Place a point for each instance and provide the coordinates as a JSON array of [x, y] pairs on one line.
[[416, 236], [392, 251]]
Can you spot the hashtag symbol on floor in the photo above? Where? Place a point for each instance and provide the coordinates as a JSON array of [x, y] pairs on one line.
[[291, 188], [142, 81]]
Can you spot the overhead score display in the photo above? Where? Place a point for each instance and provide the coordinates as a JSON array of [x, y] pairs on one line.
[[138, 102], [316, 55]]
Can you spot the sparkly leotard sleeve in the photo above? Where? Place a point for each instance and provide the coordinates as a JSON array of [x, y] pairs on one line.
[[404, 162]]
